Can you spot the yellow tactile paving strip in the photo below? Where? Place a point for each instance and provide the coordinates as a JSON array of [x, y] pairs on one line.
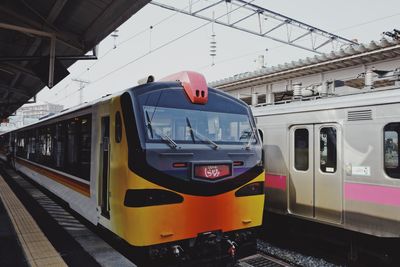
[[37, 248]]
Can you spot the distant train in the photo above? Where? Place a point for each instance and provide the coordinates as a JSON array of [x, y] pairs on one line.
[[170, 166], [335, 160]]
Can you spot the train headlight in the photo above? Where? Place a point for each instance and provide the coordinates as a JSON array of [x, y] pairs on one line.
[[150, 197], [256, 188]]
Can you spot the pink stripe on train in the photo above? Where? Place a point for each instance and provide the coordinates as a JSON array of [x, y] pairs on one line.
[[275, 181], [376, 194]]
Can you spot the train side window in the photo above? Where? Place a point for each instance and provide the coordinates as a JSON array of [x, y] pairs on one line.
[[20, 144], [72, 144], [328, 155], [60, 145], [85, 146], [42, 145], [391, 149], [301, 149], [48, 153], [118, 127], [32, 145]]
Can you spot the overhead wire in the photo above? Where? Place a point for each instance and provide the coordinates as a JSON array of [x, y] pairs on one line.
[[119, 45], [166, 44], [335, 31], [127, 40], [367, 22]]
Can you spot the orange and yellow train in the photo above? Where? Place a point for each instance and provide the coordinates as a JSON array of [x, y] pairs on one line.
[[166, 166]]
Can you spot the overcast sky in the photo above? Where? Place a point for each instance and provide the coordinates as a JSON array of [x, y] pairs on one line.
[[364, 20]]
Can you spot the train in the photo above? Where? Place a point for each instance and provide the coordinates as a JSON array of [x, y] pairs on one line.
[[171, 167], [335, 160]]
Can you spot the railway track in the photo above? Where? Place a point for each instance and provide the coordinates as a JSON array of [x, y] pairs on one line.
[[261, 260]]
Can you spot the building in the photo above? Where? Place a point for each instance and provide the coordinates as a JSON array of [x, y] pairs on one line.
[[38, 110], [348, 70], [30, 113]]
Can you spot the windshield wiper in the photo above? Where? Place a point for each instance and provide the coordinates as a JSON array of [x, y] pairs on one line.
[[250, 139], [191, 129], [194, 133], [149, 124], [171, 142]]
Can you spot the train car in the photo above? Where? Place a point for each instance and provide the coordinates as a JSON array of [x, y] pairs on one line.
[[170, 166], [335, 160]]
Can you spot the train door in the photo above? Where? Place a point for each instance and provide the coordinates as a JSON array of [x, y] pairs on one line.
[[105, 166], [315, 188], [301, 178]]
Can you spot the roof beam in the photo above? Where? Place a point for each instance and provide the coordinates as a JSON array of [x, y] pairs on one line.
[[55, 11], [26, 30], [53, 14], [125, 9], [8, 89], [35, 45], [36, 58], [18, 68], [68, 39]]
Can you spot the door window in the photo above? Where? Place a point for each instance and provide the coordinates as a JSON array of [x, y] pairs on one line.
[[328, 155], [391, 149], [301, 149]]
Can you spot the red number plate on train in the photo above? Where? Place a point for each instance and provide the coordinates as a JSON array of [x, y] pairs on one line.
[[212, 172]]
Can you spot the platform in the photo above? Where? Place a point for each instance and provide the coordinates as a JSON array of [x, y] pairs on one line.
[[38, 231], [37, 249]]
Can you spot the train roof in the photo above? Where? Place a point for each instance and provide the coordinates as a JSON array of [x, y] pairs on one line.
[[362, 99]]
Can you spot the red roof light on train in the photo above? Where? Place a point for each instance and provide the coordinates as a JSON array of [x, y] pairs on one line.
[[193, 83]]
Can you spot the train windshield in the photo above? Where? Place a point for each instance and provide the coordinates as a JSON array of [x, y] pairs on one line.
[[195, 126], [168, 116]]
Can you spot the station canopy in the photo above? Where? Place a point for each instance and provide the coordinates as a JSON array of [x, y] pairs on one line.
[[40, 39]]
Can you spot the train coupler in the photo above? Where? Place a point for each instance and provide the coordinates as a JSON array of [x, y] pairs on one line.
[[232, 247], [177, 251]]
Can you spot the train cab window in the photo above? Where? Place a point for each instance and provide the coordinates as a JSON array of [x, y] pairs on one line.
[[195, 126], [301, 149], [391, 149], [328, 155], [118, 127]]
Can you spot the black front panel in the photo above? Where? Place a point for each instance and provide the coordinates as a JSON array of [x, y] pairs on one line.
[[172, 168]]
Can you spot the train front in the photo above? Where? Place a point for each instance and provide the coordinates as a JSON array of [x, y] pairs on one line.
[[195, 179]]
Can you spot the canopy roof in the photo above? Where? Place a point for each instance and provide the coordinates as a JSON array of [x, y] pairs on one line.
[[37, 36]]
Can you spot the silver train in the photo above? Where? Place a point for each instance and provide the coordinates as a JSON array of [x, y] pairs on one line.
[[335, 160]]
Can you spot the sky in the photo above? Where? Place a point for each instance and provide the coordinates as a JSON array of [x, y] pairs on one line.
[[160, 42]]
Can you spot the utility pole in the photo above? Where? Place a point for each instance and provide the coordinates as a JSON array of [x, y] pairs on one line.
[[82, 84]]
